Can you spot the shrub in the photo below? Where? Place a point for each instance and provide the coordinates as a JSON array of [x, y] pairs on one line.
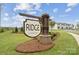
[[54, 35], [21, 29], [15, 30], [1, 30]]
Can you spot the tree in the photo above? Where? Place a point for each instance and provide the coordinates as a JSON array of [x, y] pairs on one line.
[[51, 23], [1, 30], [16, 29], [21, 29]]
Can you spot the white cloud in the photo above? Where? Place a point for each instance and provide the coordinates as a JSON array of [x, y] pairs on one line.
[[16, 24], [52, 17], [28, 7], [37, 6], [55, 10], [6, 14], [72, 4], [18, 21], [68, 10], [5, 19], [23, 6], [18, 18], [32, 12], [77, 20]]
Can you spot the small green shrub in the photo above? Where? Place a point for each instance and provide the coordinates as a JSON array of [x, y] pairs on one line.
[[54, 35], [1, 30], [21, 29], [15, 30]]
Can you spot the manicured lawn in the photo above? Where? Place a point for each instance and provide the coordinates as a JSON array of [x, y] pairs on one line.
[[9, 41], [64, 44]]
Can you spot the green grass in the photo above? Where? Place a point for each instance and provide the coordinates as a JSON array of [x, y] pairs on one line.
[[9, 41], [64, 44]]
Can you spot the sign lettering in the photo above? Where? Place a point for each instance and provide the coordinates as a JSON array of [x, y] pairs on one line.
[[32, 28]]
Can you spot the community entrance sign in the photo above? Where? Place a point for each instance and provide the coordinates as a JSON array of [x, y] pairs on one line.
[[32, 28]]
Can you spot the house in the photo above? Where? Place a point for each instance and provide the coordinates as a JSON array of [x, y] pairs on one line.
[[64, 26]]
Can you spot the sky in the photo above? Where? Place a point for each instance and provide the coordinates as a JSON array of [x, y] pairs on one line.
[[58, 12]]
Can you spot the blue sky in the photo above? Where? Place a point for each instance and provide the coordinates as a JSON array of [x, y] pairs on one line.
[[58, 12]]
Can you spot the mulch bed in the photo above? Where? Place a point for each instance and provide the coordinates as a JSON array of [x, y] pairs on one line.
[[33, 46]]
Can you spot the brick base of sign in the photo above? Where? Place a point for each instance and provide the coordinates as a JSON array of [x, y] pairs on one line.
[[45, 39], [33, 46]]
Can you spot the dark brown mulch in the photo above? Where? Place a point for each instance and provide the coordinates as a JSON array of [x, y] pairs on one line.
[[33, 46]]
